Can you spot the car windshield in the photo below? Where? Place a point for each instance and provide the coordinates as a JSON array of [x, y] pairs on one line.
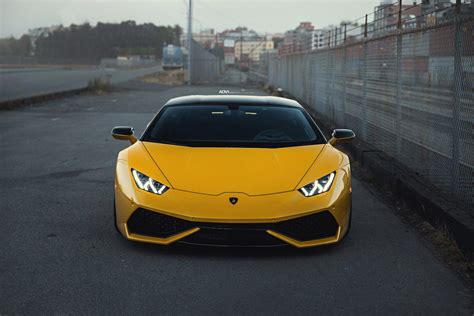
[[233, 126]]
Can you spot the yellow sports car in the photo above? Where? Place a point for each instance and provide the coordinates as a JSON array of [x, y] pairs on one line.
[[233, 171]]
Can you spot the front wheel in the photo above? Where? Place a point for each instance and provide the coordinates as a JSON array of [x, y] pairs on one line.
[[349, 224], [115, 219]]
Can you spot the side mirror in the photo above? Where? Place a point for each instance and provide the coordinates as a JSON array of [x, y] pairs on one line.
[[340, 136], [124, 133]]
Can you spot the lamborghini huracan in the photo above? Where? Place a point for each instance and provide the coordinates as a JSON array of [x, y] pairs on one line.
[[233, 171]]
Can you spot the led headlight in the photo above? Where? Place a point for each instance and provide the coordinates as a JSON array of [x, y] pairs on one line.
[[319, 186], [148, 184]]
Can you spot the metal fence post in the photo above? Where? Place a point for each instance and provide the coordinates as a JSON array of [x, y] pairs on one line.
[[328, 86], [333, 77], [398, 106], [365, 26], [344, 69], [304, 75], [364, 88], [310, 79], [458, 82], [190, 41], [345, 32]]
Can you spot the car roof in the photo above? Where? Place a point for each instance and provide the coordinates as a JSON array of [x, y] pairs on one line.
[[231, 99]]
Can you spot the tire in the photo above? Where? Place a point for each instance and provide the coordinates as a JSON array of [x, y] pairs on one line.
[[115, 219], [350, 223]]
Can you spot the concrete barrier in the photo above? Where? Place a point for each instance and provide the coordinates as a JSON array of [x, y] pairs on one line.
[[17, 103]]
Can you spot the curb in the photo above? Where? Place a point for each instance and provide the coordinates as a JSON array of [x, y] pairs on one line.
[[423, 198], [14, 104]]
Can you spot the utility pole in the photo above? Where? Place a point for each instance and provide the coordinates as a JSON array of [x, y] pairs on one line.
[[190, 38]]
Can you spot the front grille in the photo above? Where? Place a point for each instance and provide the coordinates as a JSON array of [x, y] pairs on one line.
[[148, 223], [310, 227], [239, 237], [315, 226]]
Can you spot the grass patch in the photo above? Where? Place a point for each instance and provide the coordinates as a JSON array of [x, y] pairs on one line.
[[99, 85], [168, 77]]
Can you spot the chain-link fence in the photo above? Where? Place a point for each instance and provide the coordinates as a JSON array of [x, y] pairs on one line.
[[409, 93], [205, 67]]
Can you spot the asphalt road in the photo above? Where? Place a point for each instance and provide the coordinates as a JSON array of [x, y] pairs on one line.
[[28, 82], [61, 254]]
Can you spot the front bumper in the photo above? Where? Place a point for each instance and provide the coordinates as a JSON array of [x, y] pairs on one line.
[[264, 220], [320, 226]]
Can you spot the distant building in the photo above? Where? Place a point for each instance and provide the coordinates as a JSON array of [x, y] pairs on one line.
[[439, 11], [239, 33], [252, 49], [206, 38], [386, 17], [316, 39], [298, 40], [229, 51]]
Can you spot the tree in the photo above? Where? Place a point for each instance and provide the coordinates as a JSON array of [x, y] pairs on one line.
[[177, 31], [15, 47], [106, 40]]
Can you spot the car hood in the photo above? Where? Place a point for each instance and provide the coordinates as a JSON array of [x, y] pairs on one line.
[[253, 171]]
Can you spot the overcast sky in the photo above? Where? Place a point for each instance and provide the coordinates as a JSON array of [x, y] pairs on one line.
[[17, 16]]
